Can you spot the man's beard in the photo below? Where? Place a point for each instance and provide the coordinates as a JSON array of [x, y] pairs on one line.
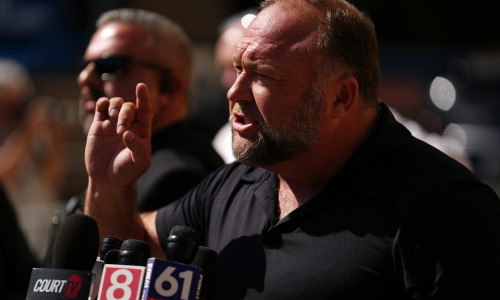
[[275, 145]]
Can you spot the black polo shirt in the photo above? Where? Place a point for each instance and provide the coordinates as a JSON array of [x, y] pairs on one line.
[[181, 158], [401, 220]]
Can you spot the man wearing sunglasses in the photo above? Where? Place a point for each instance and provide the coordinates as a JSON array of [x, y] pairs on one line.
[[132, 46]]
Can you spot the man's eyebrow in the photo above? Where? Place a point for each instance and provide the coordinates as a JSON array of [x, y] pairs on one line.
[[246, 58]]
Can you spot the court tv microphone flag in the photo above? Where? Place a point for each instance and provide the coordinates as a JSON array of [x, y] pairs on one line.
[[75, 249]]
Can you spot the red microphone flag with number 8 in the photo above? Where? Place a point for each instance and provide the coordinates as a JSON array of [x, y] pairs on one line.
[[121, 282]]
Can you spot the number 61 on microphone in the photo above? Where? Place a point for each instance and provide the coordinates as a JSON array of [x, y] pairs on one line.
[[167, 280]]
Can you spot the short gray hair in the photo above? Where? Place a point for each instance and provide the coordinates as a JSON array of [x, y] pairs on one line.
[[162, 29]]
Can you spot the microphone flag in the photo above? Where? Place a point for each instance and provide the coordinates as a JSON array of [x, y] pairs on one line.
[[168, 280], [121, 282], [58, 284]]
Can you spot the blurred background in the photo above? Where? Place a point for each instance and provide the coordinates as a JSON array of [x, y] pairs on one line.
[[440, 65]]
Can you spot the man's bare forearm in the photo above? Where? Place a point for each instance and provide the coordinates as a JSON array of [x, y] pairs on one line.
[[114, 210], [115, 213]]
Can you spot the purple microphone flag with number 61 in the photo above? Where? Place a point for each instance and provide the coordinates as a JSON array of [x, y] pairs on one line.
[[171, 280]]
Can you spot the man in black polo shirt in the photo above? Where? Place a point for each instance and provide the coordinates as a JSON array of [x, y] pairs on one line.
[[331, 198], [132, 46]]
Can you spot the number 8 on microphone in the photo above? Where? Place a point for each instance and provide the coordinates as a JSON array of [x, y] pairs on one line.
[[121, 282]]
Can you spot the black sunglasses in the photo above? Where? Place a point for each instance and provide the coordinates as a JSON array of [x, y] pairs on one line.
[[110, 66]]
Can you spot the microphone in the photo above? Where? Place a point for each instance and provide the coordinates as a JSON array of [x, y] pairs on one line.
[[175, 279], [108, 253], [124, 279], [109, 243], [134, 252], [75, 250], [182, 244], [208, 261]]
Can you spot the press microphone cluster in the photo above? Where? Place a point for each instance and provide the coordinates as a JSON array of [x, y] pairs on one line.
[[190, 271], [124, 270]]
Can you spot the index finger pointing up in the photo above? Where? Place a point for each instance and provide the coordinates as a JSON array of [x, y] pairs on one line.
[[144, 112], [143, 101]]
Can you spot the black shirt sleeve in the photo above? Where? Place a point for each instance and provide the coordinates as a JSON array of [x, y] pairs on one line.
[[194, 208], [449, 246]]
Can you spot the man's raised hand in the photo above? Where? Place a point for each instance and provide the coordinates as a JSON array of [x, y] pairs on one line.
[[118, 146]]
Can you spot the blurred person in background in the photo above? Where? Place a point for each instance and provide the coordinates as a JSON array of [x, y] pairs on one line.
[[16, 259], [405, 94], [132, 46], [31, 168]]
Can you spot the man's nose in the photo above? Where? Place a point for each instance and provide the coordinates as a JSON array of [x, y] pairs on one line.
[[88, 76], [241, 90]]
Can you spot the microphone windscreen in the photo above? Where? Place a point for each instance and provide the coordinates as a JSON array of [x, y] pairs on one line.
[[134, 252], [182, 244], [109, 242], [208, 261], [111, 256], [77, 243]]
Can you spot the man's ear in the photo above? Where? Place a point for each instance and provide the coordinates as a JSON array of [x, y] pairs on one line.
[[344, 92]]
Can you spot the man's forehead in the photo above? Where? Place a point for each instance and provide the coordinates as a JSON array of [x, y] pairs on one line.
[[119, 38], [281, 23], [252, 50], [275, 30]]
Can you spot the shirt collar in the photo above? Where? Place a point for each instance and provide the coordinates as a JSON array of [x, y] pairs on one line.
[[375, 167], [372, 170]]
